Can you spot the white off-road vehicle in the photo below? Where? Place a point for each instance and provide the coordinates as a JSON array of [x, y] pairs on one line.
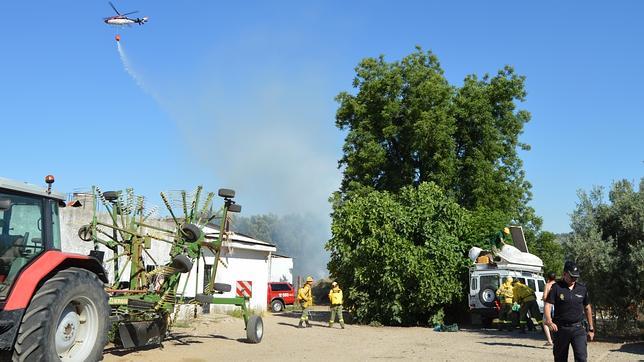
[[489, 270]]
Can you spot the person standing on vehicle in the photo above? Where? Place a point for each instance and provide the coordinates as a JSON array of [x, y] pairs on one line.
[[551, 280], [524, 295], [501, 239], [335, 297], [305, 297], [505, 297], [571, 302]]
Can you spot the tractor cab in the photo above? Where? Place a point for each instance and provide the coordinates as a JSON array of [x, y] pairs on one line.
[[29, 225]]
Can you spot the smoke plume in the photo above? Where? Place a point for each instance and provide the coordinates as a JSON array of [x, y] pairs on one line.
[[262, 129]]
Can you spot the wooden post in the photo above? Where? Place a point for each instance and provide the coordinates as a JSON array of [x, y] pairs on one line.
[[297, 290]]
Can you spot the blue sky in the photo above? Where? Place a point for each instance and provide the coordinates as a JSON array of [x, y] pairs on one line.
[[241, 94]]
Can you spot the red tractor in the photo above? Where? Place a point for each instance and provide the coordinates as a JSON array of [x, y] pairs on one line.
[[53, 306]]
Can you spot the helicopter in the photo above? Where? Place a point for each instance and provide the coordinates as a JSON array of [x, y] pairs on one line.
[[122, 19]]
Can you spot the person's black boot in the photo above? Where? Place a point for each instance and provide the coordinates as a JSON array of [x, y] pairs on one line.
[[308, 325], [300, 325]]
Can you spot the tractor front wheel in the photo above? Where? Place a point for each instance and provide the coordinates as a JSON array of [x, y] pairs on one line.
[[67, 320]]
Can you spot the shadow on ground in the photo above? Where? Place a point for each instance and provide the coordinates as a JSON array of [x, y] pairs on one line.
[[294, 324], [177, 339], [320, 315], [506, 344], [634, 348], [537, 334]]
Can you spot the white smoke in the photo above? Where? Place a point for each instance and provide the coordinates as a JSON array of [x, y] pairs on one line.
[[263, 131]]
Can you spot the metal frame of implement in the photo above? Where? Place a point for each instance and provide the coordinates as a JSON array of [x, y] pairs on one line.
[[142, 307]]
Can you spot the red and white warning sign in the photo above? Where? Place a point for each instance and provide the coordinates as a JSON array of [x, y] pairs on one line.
[[244, 288]]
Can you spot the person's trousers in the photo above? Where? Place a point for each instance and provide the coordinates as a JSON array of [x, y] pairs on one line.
[[565, 336], [505, 315], [533, 308], [336, 309], [306, 314]]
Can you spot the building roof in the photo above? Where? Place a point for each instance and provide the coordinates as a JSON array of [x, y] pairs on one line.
[[240, 240], [281, 256]]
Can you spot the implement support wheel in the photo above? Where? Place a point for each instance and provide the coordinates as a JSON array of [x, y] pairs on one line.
[[255, 329]]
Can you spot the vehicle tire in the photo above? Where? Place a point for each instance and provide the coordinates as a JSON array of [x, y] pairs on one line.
[[255, 329], [181, 263], [192, 232], [221, 287], [67, 320], [85, 233], [277, 306], [111, 195], [487, 295]]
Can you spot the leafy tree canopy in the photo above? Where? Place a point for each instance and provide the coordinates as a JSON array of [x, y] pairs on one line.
[[406, 125], [607, 242], [399, 256], [548, 247]]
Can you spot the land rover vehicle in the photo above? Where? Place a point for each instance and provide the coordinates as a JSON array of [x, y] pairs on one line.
[[489, 270]]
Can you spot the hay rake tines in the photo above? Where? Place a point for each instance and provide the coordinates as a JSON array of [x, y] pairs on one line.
[[188, 205]]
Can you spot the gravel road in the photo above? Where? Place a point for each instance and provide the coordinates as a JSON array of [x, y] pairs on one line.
[[220, 337]]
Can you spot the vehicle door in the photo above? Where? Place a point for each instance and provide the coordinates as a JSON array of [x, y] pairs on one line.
[[541, 286], [488, 284], [22, 236]]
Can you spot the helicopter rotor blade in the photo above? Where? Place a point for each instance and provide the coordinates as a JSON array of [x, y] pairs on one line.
[[112, 5], [131, 12]]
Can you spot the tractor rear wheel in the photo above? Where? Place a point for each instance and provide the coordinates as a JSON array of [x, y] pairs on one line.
[[67, 320]]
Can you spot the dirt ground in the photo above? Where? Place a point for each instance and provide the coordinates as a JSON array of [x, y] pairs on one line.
[[221, 337]]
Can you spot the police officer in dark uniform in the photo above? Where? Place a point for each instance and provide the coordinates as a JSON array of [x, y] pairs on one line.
[[571, 303]]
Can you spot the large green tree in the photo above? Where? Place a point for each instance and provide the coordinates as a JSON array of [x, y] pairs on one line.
[[399, 256]]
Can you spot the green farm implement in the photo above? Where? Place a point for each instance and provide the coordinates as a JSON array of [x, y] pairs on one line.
[[145, 294]]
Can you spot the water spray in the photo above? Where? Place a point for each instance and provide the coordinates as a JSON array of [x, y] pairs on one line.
[[127, 65]]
